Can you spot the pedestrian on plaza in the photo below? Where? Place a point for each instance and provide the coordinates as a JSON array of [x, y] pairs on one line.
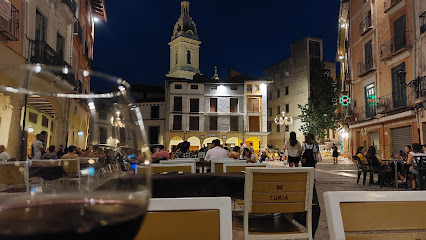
[[216, 151], [4, 156], [294, 150], [249, 156], [51, 153], [251, 148], [309, 151], [184, 152], [318, 157], [235, 154], [37, 146], [242, 146], [335, 153]]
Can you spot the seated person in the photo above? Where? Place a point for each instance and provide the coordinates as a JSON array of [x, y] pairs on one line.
[[216, 152], [360, 152], [160, 154], [50, 154], [249, 156], [411, 161], [376, 163], [184, 152], [235, 154]]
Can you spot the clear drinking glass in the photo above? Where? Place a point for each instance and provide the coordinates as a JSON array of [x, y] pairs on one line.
[[97, 192]]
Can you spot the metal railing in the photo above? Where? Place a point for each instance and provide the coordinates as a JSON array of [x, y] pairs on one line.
[[10, 28], [394, 101], [71, 4], [388, 4], [423, 22], [78, 31], [419, 88], [42, 53], [399, 42], [365, 24], [365, 66]]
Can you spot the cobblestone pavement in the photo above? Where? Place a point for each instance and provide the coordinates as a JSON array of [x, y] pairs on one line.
[[331, 177]]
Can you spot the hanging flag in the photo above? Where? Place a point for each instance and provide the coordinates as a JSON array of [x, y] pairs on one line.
[[5, 10]]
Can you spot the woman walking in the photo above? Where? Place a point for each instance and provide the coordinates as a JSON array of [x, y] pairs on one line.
[[294, 150], [335, 153], [309, 151]]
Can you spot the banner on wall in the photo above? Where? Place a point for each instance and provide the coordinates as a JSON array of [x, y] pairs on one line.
[[5, 9]]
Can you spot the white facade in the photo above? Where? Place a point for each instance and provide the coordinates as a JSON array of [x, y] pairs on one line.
[[154, 121]]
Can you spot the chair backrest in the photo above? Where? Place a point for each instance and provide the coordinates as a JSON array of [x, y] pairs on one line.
[[420, 162], [177, 167], [71, 165], [14, 173], [357, 162], [238, 167], [217, 163], [174, 161], [376, 215], [207, 218], [185, 159], [51, 162]]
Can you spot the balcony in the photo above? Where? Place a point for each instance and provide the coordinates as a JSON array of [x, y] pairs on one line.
[[44, 54], [396, 45], [365, 25], [71, 4], [422, 23], [392, 6], [394, 102], [419, 89], [78, 31], [365, 66], [10, 28]]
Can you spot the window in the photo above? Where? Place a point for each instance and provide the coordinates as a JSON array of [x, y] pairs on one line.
[[154, 133], [314, 50], [178, 86], [399, 86], [253, 105], [213, 87], [176, 57], [269, 127], [194, 86], [270, 112], [234, 122], [278, 128], [40, 29], [60, 45], [213, 104], [269, 95], [178, 104], [233, 105], [177, 122], [278, 110], [44, 121], [254, 124], [194, 105], [249, 88], [287, 128], [278, 93], [155, 112], [213, 123], [400, 37], [256, 88], [234, 87], [102, 135], [370, 101], [286, 91], [103, 115], [122, 136], [32, 117], [188, 57], [194, 123], [287, 108], [368, 53]]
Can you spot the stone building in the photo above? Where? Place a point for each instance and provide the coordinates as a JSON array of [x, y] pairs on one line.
[[291, 86]]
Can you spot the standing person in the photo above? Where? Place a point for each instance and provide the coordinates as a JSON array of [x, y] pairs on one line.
[[44, 141], [335, 153], [37, 147], [3, 154], [249, 156], [51, 153], [294, 150], [216, 151], [251, 148], [309, 151]]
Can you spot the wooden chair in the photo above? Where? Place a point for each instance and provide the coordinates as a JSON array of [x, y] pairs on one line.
[[207, 218], [72, 168], [277, 190], [239, 167], [176, 167], [51, 162], [14, 173], [376, 215], [217, 163], [183, 160]]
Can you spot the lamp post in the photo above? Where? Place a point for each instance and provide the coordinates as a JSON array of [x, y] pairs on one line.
[[283, 120]]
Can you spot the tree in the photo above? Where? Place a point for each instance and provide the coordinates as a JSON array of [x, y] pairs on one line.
[[319, 114]]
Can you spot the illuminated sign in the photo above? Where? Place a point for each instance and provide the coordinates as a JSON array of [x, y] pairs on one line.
[[345, 100], [371, 100]]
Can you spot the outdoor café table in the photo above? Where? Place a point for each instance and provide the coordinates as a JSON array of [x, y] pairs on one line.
[[48, 173], [395, 164]]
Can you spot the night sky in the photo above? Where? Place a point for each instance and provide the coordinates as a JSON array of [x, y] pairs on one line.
[[244, 35]]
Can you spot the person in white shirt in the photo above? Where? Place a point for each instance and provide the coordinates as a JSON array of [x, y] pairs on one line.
[[216, 151], [243, 145], [4, 155], [37, 146]]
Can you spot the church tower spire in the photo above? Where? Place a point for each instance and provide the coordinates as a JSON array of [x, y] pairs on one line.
[[184, 46]]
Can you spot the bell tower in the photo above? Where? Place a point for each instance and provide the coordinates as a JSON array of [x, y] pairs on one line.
[[184, 46]]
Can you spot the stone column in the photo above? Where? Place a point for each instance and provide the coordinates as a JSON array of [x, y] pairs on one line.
[[15, 130], [59, 131]]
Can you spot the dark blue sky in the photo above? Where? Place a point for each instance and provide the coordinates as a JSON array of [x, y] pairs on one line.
[[246, 35]]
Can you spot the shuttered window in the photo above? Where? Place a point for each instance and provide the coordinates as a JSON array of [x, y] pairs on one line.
[[194, 123], [234, 123], [254, 125], [234, 105], [213, 104], [194, 105], [213, 123], [253, 105], [177, 122], [401, 137], [177, 104]]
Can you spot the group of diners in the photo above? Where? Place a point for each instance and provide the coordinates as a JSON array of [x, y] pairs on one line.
[[413, 156]]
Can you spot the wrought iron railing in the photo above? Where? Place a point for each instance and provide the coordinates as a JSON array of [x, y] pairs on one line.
[[388, 4], [423, 22], [10, 28], [399, 42], [44, 54], [365, 24], [78, 31], [394, 101], [419, 87], [365, 66]]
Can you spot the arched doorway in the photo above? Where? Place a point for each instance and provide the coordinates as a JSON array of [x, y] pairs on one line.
[[174, 142], [195, 143], [255, 142], [208, 142], [232, 142]]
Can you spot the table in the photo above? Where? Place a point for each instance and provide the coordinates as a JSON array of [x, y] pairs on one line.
[[395, 164]]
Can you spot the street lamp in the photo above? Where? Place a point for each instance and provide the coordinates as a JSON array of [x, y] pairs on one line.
[[283, 120]]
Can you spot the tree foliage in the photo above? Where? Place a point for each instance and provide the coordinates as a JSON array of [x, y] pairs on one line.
[[319, 114]]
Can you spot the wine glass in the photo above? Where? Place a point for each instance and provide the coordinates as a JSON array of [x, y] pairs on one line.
[[94, 191]]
